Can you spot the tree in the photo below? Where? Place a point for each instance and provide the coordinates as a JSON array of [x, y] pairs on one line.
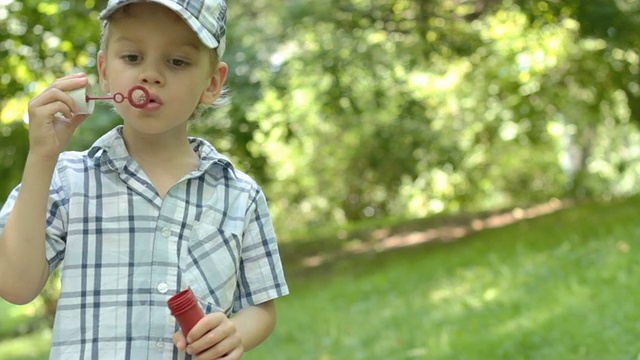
[[351, 109]]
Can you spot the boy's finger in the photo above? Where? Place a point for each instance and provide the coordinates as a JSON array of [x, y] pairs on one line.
[[78, 119], [80, 74], [179, 340], [58, 92], [204, 325], [68, 84], [50, 110]]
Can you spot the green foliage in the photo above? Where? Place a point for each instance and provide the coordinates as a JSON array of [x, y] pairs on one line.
[[13, 154], [30, 347], [372, 114], [42, 40], [355, 109]]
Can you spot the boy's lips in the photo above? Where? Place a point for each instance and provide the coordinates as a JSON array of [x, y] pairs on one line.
[[155, 102], [155, 99]]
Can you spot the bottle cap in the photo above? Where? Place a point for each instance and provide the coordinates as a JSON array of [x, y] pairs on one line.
[[79, 96]]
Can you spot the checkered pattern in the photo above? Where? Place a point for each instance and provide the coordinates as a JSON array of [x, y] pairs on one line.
[[126, 251], [207, 18]]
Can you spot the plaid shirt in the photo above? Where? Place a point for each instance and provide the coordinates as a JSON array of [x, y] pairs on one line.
[[126, 251]]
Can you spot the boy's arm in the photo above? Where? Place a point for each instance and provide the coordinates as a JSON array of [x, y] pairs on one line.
[[255, 323], [23, 263]]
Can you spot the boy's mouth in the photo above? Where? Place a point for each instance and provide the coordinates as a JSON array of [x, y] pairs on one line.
[[155, 99], [154, 102]]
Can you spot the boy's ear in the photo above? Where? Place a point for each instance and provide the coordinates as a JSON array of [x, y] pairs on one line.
[[216, 82], [102, 72]]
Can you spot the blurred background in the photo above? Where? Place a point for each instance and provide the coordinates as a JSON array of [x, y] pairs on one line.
[[405, 116]]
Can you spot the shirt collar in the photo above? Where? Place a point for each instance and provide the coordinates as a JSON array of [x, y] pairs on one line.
[[111, 149]]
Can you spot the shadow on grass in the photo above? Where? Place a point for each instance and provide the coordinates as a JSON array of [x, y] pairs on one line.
[[302, 256]]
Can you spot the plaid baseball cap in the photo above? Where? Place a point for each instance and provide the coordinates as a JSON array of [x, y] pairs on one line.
[[207, 18]]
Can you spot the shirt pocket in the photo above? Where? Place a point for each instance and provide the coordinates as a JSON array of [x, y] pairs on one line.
[[211, 262]]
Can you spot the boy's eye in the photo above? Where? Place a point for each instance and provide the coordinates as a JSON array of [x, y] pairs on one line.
[[130, 58], [178, 62]]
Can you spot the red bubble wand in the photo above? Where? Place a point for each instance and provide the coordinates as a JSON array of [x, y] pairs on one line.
[[138, 96]]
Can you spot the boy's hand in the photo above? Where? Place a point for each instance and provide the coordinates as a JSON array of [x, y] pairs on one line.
[[49, 131], [213, 337]]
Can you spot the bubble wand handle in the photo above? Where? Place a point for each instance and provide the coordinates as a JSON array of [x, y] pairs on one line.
[[106, 97]]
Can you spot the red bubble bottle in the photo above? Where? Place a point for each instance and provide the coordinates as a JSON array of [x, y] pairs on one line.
[[186, 310]]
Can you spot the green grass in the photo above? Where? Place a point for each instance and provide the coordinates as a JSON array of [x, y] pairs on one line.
[[561, 286]]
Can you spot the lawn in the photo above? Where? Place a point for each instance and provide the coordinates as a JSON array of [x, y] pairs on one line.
[[560, 286]]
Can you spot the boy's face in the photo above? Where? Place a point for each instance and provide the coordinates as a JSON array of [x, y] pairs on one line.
[[151, 45]]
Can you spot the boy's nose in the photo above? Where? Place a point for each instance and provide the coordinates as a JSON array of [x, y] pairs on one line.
[[150, 75]]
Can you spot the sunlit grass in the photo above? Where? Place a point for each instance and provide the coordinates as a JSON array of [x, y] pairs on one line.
[[561, 286], [558, 287]]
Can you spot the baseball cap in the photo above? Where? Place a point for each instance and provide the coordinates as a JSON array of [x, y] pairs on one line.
[[207, 18]]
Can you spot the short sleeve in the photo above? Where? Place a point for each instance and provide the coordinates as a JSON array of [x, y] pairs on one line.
[[7, 207], [57, 220], [261, 276]]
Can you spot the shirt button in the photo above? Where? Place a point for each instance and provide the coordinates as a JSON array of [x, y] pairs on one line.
[[166, 232], [163, 288], [160, 345]]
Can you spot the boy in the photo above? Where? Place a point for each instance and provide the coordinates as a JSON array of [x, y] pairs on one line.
[[146, 211]]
